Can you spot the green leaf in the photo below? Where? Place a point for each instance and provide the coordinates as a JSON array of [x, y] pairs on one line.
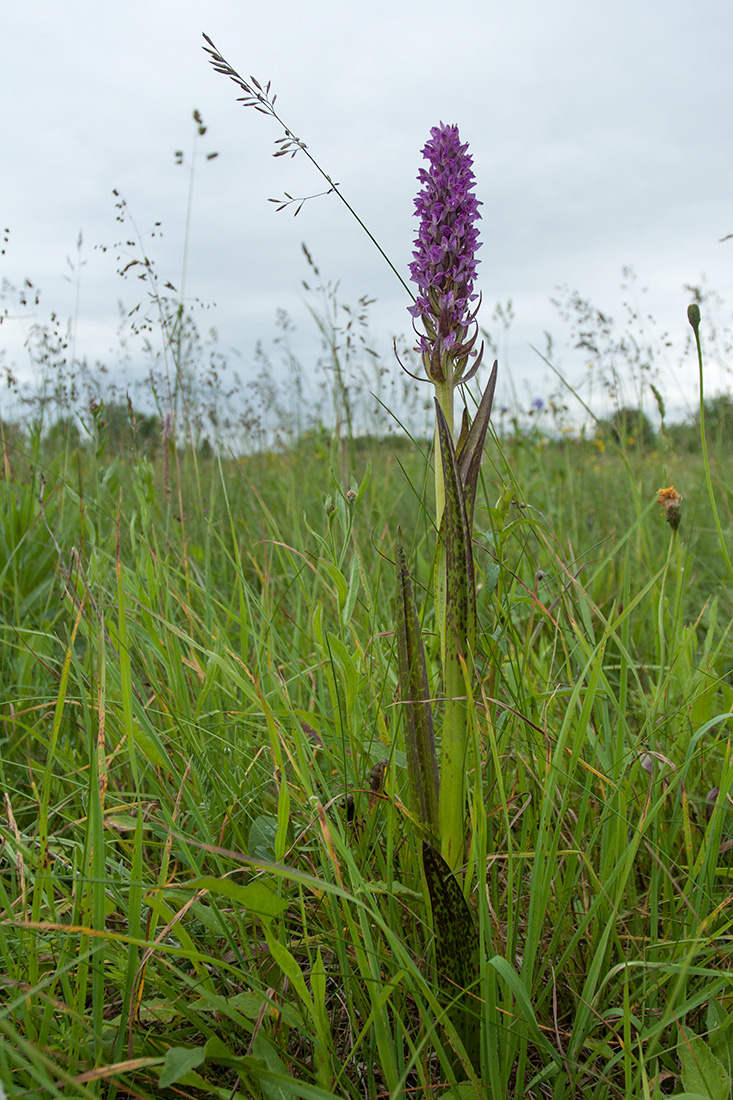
[[720, 1033], [716, 1016], [217, 1051], [457, 606], [456, 939], [471, 451], [342, 585], [261, 837], [249, 1004], [340, 654], [291, 969], [148, 741], [456, 946], [263, 1049], [318, 987], [464, 1091], [207, 915], [417, 715], [519, 992], [460, 594], [354, 581], [364, 483], [255, 896], [491, 572], [178, 1062], [702, 1072], [318, 623]]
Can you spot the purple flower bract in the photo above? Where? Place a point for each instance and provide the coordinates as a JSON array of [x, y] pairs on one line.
[[444, 264]]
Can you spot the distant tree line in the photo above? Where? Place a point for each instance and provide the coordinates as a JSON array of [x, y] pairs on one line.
[[118, 428], [630, 427]]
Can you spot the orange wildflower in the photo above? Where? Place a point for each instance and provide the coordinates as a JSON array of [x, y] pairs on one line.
[[671, 502]]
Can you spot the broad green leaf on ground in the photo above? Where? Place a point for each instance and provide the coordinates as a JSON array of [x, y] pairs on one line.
[[720, 1034], [262, 1048], [261, 838], [178, 1062], [255, 896], [702, 1072]]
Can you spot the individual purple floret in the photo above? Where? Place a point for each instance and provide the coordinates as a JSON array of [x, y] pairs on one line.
[[444, 264]]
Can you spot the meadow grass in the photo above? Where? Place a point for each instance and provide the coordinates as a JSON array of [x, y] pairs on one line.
[[208, 884]]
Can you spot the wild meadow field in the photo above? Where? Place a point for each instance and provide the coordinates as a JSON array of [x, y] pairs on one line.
[[210, 876], [341, 759]]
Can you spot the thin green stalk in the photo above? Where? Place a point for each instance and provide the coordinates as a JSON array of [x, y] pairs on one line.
[[693, 316], [663, 624], [444, 397]]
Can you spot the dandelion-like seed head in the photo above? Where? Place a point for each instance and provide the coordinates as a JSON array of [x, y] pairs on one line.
[[671, 502], [444, 263]]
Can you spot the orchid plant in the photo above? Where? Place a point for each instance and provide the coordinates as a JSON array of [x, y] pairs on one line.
[[444, 313], [444, 270]]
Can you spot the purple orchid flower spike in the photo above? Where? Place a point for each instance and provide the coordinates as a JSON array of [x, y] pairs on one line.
[[444, 264], [444, 270]]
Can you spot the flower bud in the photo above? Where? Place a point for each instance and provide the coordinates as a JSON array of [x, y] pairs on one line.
[[671, 502]]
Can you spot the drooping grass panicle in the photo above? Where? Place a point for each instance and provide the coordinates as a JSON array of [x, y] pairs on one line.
[[261, 99]]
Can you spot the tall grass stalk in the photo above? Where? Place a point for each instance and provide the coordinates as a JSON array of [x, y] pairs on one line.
[[693, 315]]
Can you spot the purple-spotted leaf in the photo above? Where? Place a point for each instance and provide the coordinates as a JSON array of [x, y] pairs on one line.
[[471, 451], [460, 590], [456, 602], [456, 947], [417, 715]]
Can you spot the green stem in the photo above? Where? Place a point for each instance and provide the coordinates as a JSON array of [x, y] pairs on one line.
[[452, 800], [693, 315], [444, 395], [456, 615], [663, 624]]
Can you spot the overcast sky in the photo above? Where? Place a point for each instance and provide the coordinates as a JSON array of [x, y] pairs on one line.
[[601, 135]]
